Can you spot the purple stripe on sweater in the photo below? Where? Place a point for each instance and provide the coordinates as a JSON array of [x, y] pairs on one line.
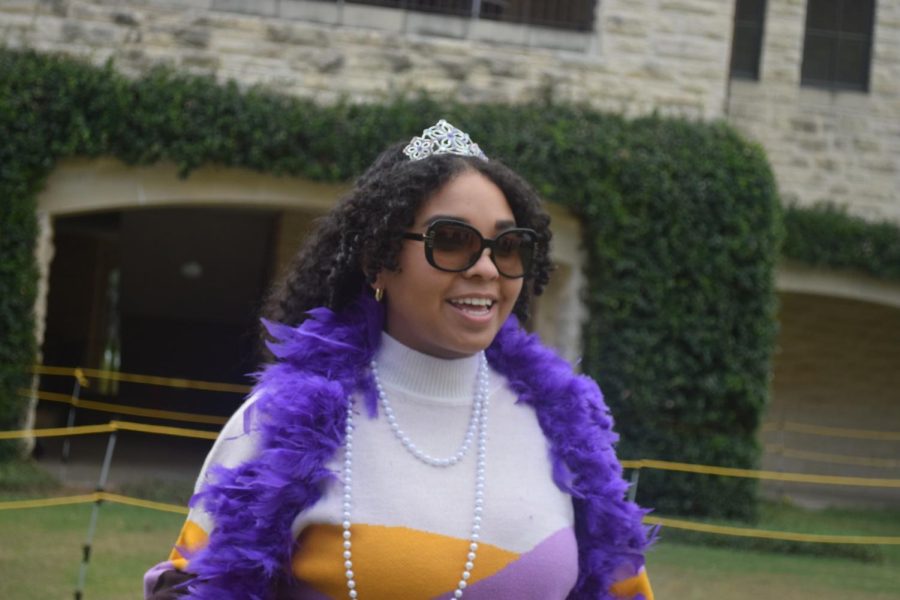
[[153, 574], [547, 572]]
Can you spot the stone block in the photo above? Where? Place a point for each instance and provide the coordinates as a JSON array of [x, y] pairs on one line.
[[373, 17], [193, 37], [555, 39], [442, 26], [296, 35], [314, 12], [329, 61], [397, 61], [496, 32], [265, 8], [127, 18]]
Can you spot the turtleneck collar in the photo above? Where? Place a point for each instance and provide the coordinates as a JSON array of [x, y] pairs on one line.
[[423, 375]]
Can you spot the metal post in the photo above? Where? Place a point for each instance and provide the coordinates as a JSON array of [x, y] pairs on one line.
[[632, 489], [95, 513], [70, 422], [782, 490], [476, 9]]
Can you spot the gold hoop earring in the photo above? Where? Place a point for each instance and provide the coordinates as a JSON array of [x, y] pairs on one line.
[[379, 294]]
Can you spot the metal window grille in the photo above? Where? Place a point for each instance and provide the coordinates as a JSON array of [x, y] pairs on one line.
[[838, 44], [746, 45], [560, 14]]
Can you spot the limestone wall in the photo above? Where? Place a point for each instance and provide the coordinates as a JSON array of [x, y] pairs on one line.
[[665, 55], [841, 147], [670, 56]]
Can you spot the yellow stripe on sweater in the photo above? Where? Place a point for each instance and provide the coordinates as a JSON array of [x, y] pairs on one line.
[[391, 562], [629, 588], [191, 539]]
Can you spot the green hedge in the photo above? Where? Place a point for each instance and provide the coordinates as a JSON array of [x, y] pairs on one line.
[[825, 235], [681, 223]]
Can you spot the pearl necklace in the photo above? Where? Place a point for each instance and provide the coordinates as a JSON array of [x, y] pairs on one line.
[[478, 421]]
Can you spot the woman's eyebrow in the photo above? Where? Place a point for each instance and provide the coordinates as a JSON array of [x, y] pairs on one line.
[[499, 225], [434, 218]]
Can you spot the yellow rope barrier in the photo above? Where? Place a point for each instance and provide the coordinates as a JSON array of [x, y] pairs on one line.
[[159, 429], [177, 382], [89, 498], [629, 464], [749, 473], [45, 502], [650, 520], [857, 461], [160, 506], [108, 428], [55, 431], [772, 535], [134, 411]]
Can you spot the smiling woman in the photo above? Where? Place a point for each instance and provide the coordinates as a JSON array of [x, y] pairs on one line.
[[364, 464]]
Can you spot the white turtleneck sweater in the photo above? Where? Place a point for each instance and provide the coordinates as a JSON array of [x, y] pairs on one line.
[[411, 521]]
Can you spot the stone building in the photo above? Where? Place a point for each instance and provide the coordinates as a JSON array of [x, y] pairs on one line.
[[816, 82]]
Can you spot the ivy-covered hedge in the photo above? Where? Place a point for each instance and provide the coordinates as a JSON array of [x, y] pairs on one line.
[[681, 223], [825, 235]]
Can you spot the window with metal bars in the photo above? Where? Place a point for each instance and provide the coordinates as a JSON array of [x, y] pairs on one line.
[[560, 14], [837, 48], [746, 44]]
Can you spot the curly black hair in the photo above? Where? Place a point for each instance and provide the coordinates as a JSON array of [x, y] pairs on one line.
[[362, 234]]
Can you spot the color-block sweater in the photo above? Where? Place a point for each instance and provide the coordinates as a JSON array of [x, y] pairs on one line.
[[410, 520]]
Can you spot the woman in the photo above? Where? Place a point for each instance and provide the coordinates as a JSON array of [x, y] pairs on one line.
[[411, 440]]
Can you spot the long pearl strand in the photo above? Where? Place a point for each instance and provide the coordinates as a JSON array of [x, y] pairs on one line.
[[478, 421], [477, 405]]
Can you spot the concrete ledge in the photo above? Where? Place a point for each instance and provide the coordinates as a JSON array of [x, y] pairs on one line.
[[798, 278], [86, 185]]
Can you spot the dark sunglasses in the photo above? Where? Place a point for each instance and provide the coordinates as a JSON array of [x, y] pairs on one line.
[[455, 246]]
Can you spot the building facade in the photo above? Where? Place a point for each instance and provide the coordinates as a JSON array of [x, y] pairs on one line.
[[815, 82]]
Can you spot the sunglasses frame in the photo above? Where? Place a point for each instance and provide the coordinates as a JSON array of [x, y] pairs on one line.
[[428, 238]]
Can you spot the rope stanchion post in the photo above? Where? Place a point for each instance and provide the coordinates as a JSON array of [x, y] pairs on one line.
[[95, 514], [70, 421], [633, 483], [782, 491]]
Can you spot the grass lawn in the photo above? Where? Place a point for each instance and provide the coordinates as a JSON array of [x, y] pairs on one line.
[[692, 572], [41, 553]]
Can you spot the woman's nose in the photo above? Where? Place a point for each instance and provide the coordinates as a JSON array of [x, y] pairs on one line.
[[484, 266]]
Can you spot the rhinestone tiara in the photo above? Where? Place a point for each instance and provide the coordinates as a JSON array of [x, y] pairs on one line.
[[442, 138]]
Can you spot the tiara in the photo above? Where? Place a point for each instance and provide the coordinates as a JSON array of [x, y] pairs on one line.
[[442, 138]]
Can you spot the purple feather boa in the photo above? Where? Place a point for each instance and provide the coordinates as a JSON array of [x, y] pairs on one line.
[[301, 412]]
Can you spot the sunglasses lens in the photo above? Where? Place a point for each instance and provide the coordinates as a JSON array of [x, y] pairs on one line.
[[513, 252], [454, 246]]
